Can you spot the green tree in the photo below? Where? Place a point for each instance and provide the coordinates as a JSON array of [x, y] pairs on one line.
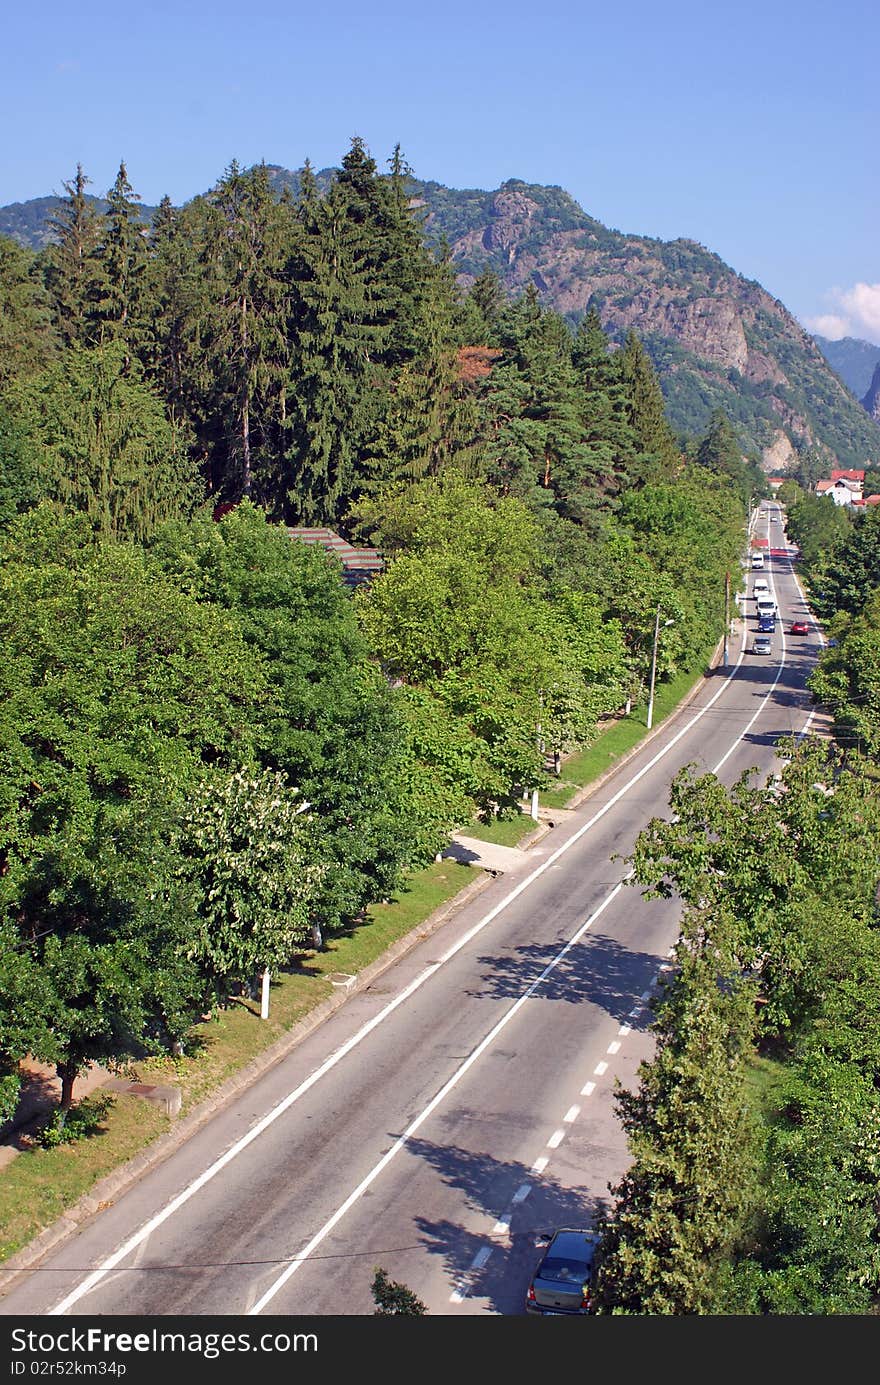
[[116, 692], [851, 567], [120, 311], [332, 728], [684, 1204], [605, 410], [244, 845], [647, 410], [847, 679], [393, 1299], [27, 337], [103, 444], [73, 268], [242, 256], [720, 452]]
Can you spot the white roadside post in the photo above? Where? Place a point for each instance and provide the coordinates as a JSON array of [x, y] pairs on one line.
[[654, 664]]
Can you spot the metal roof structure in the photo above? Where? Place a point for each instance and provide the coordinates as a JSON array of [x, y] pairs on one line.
[[359, 565]]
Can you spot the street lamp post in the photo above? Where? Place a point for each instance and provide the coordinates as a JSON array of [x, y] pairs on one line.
[[654, 663]]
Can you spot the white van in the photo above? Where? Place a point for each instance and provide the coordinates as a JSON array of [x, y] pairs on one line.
[[761, 587], [766, 605], [757, 561]]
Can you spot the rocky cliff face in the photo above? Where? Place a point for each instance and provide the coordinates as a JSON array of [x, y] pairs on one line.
[[871, 401], [717, 339]]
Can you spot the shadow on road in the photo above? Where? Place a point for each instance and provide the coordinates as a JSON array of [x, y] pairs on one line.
[[501, 1277], [598, 970]]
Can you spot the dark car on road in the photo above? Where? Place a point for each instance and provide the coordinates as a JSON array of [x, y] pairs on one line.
[[563, 1276]]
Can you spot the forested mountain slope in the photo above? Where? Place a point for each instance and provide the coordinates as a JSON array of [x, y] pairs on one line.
[[718, 340]]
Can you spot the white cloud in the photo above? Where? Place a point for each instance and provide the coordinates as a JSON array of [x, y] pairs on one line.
[[862, 305], [829, 325], [857, 315]]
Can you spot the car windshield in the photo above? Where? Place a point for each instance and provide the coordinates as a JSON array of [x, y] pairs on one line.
[[563, 1269]]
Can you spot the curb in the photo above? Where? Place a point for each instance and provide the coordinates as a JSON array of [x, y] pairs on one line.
[[112, 1184], [587, 789]]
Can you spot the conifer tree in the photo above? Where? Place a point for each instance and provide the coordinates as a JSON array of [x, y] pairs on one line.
[[607, 427], [245, 330], [654, 436], [720, 452], [482, 310], [27, 337], [333, 338], [73, 270], [119, 311]]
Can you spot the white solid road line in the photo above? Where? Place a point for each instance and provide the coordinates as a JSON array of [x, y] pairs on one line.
[[219, 1164]]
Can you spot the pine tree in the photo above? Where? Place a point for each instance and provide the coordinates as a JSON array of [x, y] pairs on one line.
[[647, 410], [119, 312], [482, 310], [73, 270], [27, 338], [607, 427], [720, 452], [245, 328], [334, 337]]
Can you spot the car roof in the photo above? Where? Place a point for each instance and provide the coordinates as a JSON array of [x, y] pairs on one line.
[[571, 1241]]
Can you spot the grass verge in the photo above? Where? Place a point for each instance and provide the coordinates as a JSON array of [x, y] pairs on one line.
[[39, 1185]]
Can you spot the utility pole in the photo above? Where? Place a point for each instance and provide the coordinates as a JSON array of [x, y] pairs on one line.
[[653, 667], [654, 663], [726, 612]]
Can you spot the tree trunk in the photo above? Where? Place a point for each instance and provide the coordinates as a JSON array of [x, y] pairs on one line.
[[245, 412], [68, 1073]]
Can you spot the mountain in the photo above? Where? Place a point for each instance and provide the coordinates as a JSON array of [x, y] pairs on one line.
[[854, 360], [26, 222], [871, 401], [716, 338]]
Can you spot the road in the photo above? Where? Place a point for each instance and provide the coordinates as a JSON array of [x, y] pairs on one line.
[[444, 1115]]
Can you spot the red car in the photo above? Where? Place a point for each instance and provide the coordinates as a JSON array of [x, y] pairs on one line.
[[800, 627]]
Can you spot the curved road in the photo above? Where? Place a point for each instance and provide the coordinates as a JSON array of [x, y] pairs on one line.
[[465, 1101]]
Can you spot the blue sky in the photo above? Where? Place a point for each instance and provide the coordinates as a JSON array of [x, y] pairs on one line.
[[750, 127]]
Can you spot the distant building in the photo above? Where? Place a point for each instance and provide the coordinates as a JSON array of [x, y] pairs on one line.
[[359, 565], [843, 490], [851, 475], [776, 482]]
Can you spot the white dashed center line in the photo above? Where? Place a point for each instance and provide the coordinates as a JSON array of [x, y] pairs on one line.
[[571, 1114], [556, 1139], [599, 1069]]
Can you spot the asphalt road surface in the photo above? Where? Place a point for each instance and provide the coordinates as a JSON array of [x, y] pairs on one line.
[[443, 1116]]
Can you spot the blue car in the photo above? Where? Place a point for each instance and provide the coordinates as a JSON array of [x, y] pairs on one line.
[[563, 1277]]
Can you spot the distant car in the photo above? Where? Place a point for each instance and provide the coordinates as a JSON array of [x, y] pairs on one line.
[[767, 624], [761, 586], [563, 1276], [800, 627], [762, 644]]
